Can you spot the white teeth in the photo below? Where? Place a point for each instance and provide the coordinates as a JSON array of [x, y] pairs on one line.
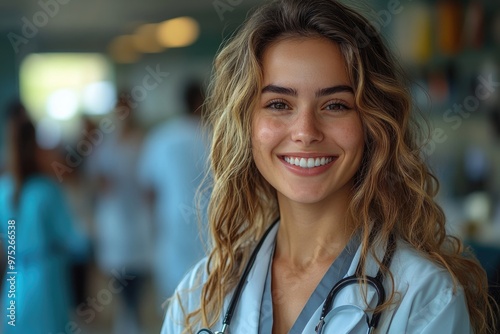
[[309, 162]]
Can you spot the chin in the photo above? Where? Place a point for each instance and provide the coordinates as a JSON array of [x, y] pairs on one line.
[[303, 197]]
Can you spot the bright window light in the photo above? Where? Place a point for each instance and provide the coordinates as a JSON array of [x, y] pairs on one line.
[[41, 75], [99, 98], [64, 86], [62, 104]]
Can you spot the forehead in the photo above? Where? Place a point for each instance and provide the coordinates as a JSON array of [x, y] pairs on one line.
[[305, 62]]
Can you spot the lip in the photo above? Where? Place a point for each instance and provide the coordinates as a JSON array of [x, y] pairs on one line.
[[297, 170]]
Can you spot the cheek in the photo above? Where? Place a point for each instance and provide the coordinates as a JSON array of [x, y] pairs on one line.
[[351, 136], [355, 139], [265, 132]]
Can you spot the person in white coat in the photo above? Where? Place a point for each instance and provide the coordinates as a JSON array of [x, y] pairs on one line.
[[312, 129]]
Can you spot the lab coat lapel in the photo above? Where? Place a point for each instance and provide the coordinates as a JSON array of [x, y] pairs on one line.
[[350, 295], [247, 313]]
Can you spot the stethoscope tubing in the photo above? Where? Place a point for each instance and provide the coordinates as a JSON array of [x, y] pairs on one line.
[[237, 292], [350, 280], [375, 282]]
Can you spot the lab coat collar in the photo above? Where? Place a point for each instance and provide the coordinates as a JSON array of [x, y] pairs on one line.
[[248, 311], [247, 314]]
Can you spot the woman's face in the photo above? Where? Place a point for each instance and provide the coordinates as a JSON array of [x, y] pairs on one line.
[[307, 137]]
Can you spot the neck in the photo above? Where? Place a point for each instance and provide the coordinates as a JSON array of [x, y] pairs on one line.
[[312, 234]]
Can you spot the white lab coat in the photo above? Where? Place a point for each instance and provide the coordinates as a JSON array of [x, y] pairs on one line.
[[426, 300]]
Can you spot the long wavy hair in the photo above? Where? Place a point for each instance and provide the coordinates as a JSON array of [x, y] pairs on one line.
[[22, 147], [394, 190]]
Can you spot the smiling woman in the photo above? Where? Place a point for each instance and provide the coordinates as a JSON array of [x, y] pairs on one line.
[[312, 129], [305, 113]]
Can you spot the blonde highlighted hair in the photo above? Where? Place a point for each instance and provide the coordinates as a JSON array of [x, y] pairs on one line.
[[394, 190]]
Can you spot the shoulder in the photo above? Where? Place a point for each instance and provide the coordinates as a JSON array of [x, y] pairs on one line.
[[5, 178], [163, 129], [427, 298], [418, 277], [42, 196], [6, 184], [186, 298], [158, 137], [408, 265], [194, 279], [43, 186], [6, 192]]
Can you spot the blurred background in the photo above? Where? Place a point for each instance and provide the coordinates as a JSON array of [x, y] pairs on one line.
[[112, 89]]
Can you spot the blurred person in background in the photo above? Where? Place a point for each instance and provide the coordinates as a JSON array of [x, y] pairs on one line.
[[172, 167], [122, 224], [45, 240]]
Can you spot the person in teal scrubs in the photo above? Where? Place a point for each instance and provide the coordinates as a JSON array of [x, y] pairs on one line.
[[38, 232]]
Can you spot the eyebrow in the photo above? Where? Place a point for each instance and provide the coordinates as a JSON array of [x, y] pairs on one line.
[[319, 93], [333, 90], [279, 90]]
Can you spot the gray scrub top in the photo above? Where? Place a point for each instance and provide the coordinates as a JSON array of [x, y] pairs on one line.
[[335, 273]]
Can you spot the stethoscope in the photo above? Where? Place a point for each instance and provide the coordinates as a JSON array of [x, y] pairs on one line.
[[375, 282]]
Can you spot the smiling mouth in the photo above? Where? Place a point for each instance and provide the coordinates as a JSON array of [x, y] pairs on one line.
[[308, 162]]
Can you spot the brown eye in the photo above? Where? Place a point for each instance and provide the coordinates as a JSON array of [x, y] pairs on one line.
[[337, 106], [278, 105]]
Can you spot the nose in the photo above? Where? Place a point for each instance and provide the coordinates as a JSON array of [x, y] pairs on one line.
[[306, 128]]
